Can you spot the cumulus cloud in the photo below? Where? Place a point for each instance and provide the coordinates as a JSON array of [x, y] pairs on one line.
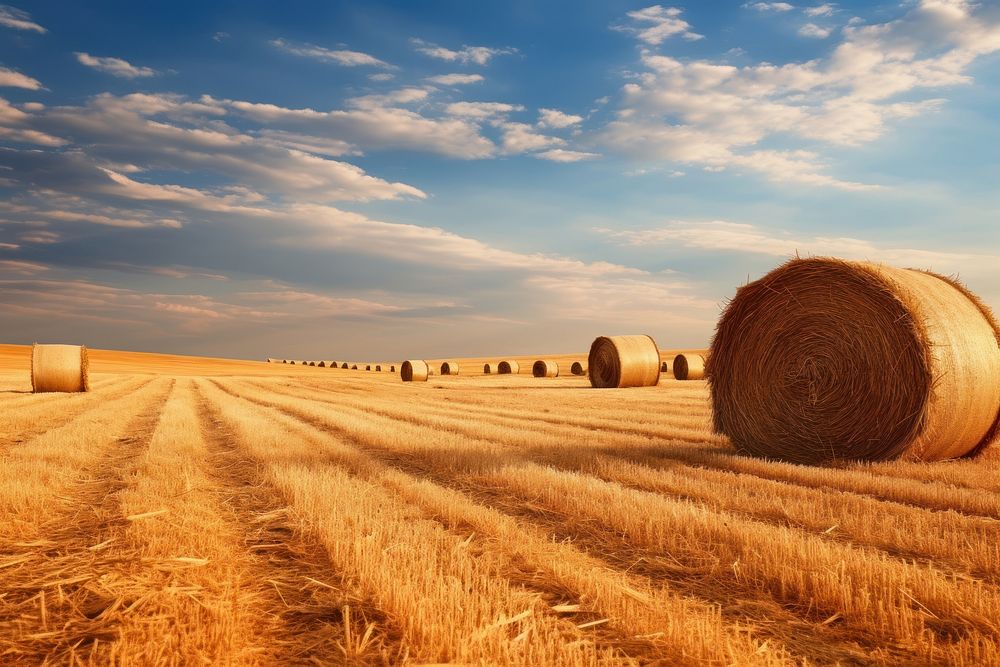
[[455, 79], [13, 79], [716, 115], [655, 24], [770, 6], [482, 110], [523, 138], [480, 55], [814, 31], [557, 119], [563, 155], [18, 19], [344, 57], [114, 66], [820, 10]]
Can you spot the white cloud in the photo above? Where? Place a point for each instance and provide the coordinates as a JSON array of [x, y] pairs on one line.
[[13, 79], [522, 138], [114, 66], [815, 31], [482, 110], [14, 127], [715, 115], [656, 24], [18, 19], [720, 235], [820, 10], [344, 57], [382, 76], [557, 119], [455, 79], [399, 97], [479, 55], [563, 155], [770, 6]]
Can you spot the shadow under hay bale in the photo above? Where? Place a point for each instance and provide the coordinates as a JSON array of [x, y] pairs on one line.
[[624, 361], [59, 368], [823, 360]]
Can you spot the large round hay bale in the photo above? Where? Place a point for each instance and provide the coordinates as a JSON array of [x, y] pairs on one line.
[[578, 369], [824, 360], [449, 368], [689, 366], [414, 371], [544, 368], [624, 361], [59, 368], [508, 367]]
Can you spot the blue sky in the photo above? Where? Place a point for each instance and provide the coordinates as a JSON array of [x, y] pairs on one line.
[[379, 180]]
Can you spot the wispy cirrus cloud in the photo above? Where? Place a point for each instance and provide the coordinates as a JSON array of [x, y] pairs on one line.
[[18, 19], [770, 6], [455, 79], [480, 55], [10, 78], [344, 57], [114, 66]]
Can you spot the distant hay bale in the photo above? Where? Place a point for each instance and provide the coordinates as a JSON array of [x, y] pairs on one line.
[[491, 368], [354, 367], [823, 360], [414, 371], [378, 368], [63, 368], [344, 366], [624, 361], [392, 369], [578, 369], [449, 368], [543, 368], [689, 366], [368, 367], [312, 363], [321, 364], [508, 368], [665, 367], [292, 363]]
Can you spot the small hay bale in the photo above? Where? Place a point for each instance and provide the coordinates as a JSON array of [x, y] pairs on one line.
[[354, 367], [392, 369], [62, 368], [665, 367], [414, 371], [368, 367], [624, 361], [449, 368], [689, 366], [344, 366], [578, 369], [508, 367], [320, 364], [827, 360], [378, 368], [491, 368], [543, 368]]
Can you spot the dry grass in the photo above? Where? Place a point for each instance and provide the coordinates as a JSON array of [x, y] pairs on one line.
[[290, 515]]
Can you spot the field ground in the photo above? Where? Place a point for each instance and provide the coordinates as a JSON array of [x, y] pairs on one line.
[[192, 511]]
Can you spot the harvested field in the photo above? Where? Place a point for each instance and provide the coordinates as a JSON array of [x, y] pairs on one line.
[[203, 511]]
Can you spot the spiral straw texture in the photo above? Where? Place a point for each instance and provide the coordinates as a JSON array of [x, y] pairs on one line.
[[689, 366], [624, 361], [823, 360], [59, 368], [578, 369], [414, 371], [449, 368], [543, 368], [508, 368]]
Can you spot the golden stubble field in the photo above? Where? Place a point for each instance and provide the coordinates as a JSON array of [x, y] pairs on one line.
[[194, 511]]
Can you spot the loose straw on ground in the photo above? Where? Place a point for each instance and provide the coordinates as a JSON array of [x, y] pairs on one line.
[[414, 371], [508, 367], [449, 368], [544, 368], [689, 366], [824, 360], [624, 361], [59, 368]]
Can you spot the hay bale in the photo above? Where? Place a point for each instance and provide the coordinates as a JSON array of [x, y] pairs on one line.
[[508, 367], [392, 369], [414, 371], [312, 363], [378, 368], [320, 364], [354, 367], [344, 366], [665, 367], [59, 368], [543, 368], [824, 360], [491, 368], [578, 369], [368, 367], [689, 366], [449, 368], [624, 361]]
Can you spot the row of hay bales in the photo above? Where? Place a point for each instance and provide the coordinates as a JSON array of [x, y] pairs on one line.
[[378, 368]]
